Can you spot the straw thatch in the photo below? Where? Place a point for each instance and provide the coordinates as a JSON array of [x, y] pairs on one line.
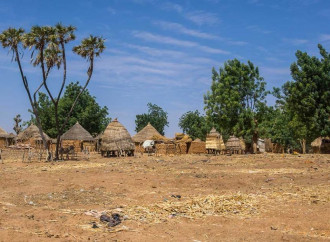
[[321, 145], [214, 141], [235, 144], [147, 133], [31, 132], [182, 138], [77, 132], [197, 147], [116, 138], [3, 134]]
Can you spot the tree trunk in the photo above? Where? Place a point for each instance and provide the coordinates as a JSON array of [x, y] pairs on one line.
[[255, 142], [34, 108], [303, 145], [58, 140]]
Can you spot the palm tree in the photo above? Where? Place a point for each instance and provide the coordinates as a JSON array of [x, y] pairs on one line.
[[47, 44], [12, 39], [88, 49]]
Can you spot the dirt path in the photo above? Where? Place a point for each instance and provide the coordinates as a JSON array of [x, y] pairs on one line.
[[185, 198]]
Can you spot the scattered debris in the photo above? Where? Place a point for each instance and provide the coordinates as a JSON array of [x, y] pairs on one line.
[[112, 221], [94, 225], [176, 196]]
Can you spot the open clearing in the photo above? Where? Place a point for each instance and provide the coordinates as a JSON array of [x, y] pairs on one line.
[[266, 197]]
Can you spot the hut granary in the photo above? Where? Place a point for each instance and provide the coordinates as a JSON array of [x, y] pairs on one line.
[[6, 139], [321, 145], [214, 142], [116, 140], [268, 145], [147, 133], [197, 147], [79, 137], [235, 145], [182, 143], [32, 137]]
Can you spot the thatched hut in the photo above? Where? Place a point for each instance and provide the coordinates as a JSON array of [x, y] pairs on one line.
[[32, 137], [268, 145], [197, 147], [79, 137], [116, 140], [214, 142], [147, 133], [182, 143], [321, 145], [235, 145], [6, 139]]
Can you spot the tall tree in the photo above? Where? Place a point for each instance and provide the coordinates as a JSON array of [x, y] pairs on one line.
[[87, 111], [307, 97], [156, 116], [48, 51], [17, 126], [194, 124], [276, 125], [236, 101]]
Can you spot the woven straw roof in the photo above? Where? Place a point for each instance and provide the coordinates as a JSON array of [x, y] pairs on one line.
[[147, 133], [235, 143], [318, 141], [77, 132], [3, 134], [197, 140], [31, 132], [214, 133], [116, 137]]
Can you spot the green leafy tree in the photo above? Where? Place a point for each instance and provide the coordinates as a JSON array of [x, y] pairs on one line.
[[194, 124], [307, 97], [236, 102], [276, 126], [156, 116], [87, 111], [48, 46]]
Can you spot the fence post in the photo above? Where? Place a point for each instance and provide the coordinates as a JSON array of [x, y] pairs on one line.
[[1, 156]]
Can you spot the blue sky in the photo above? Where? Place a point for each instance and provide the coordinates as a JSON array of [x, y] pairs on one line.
[[163, 51]]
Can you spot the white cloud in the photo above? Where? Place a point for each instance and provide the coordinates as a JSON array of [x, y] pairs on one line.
[[214, 50], [295, 41], [172, 6], [236, 42], [202, 17], [172, 41], [256, 28], [112, 11], [324, 37], [156, 52], [181, 29], [163, 39]]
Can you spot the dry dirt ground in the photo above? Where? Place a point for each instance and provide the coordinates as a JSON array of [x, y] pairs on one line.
[[266, 197]]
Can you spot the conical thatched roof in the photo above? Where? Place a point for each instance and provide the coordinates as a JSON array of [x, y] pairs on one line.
[[214, 133], [147, 133], [235, 143], [31, 132], [318, 141], [197, 140], [77, 132], [116, 137], [3, 134]]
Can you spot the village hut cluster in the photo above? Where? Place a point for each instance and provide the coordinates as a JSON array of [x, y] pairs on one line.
[[116, 141]]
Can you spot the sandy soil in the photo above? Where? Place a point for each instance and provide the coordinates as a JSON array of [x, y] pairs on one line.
[[267, 197]]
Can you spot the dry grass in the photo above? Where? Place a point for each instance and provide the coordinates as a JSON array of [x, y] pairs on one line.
[[194, 207]]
